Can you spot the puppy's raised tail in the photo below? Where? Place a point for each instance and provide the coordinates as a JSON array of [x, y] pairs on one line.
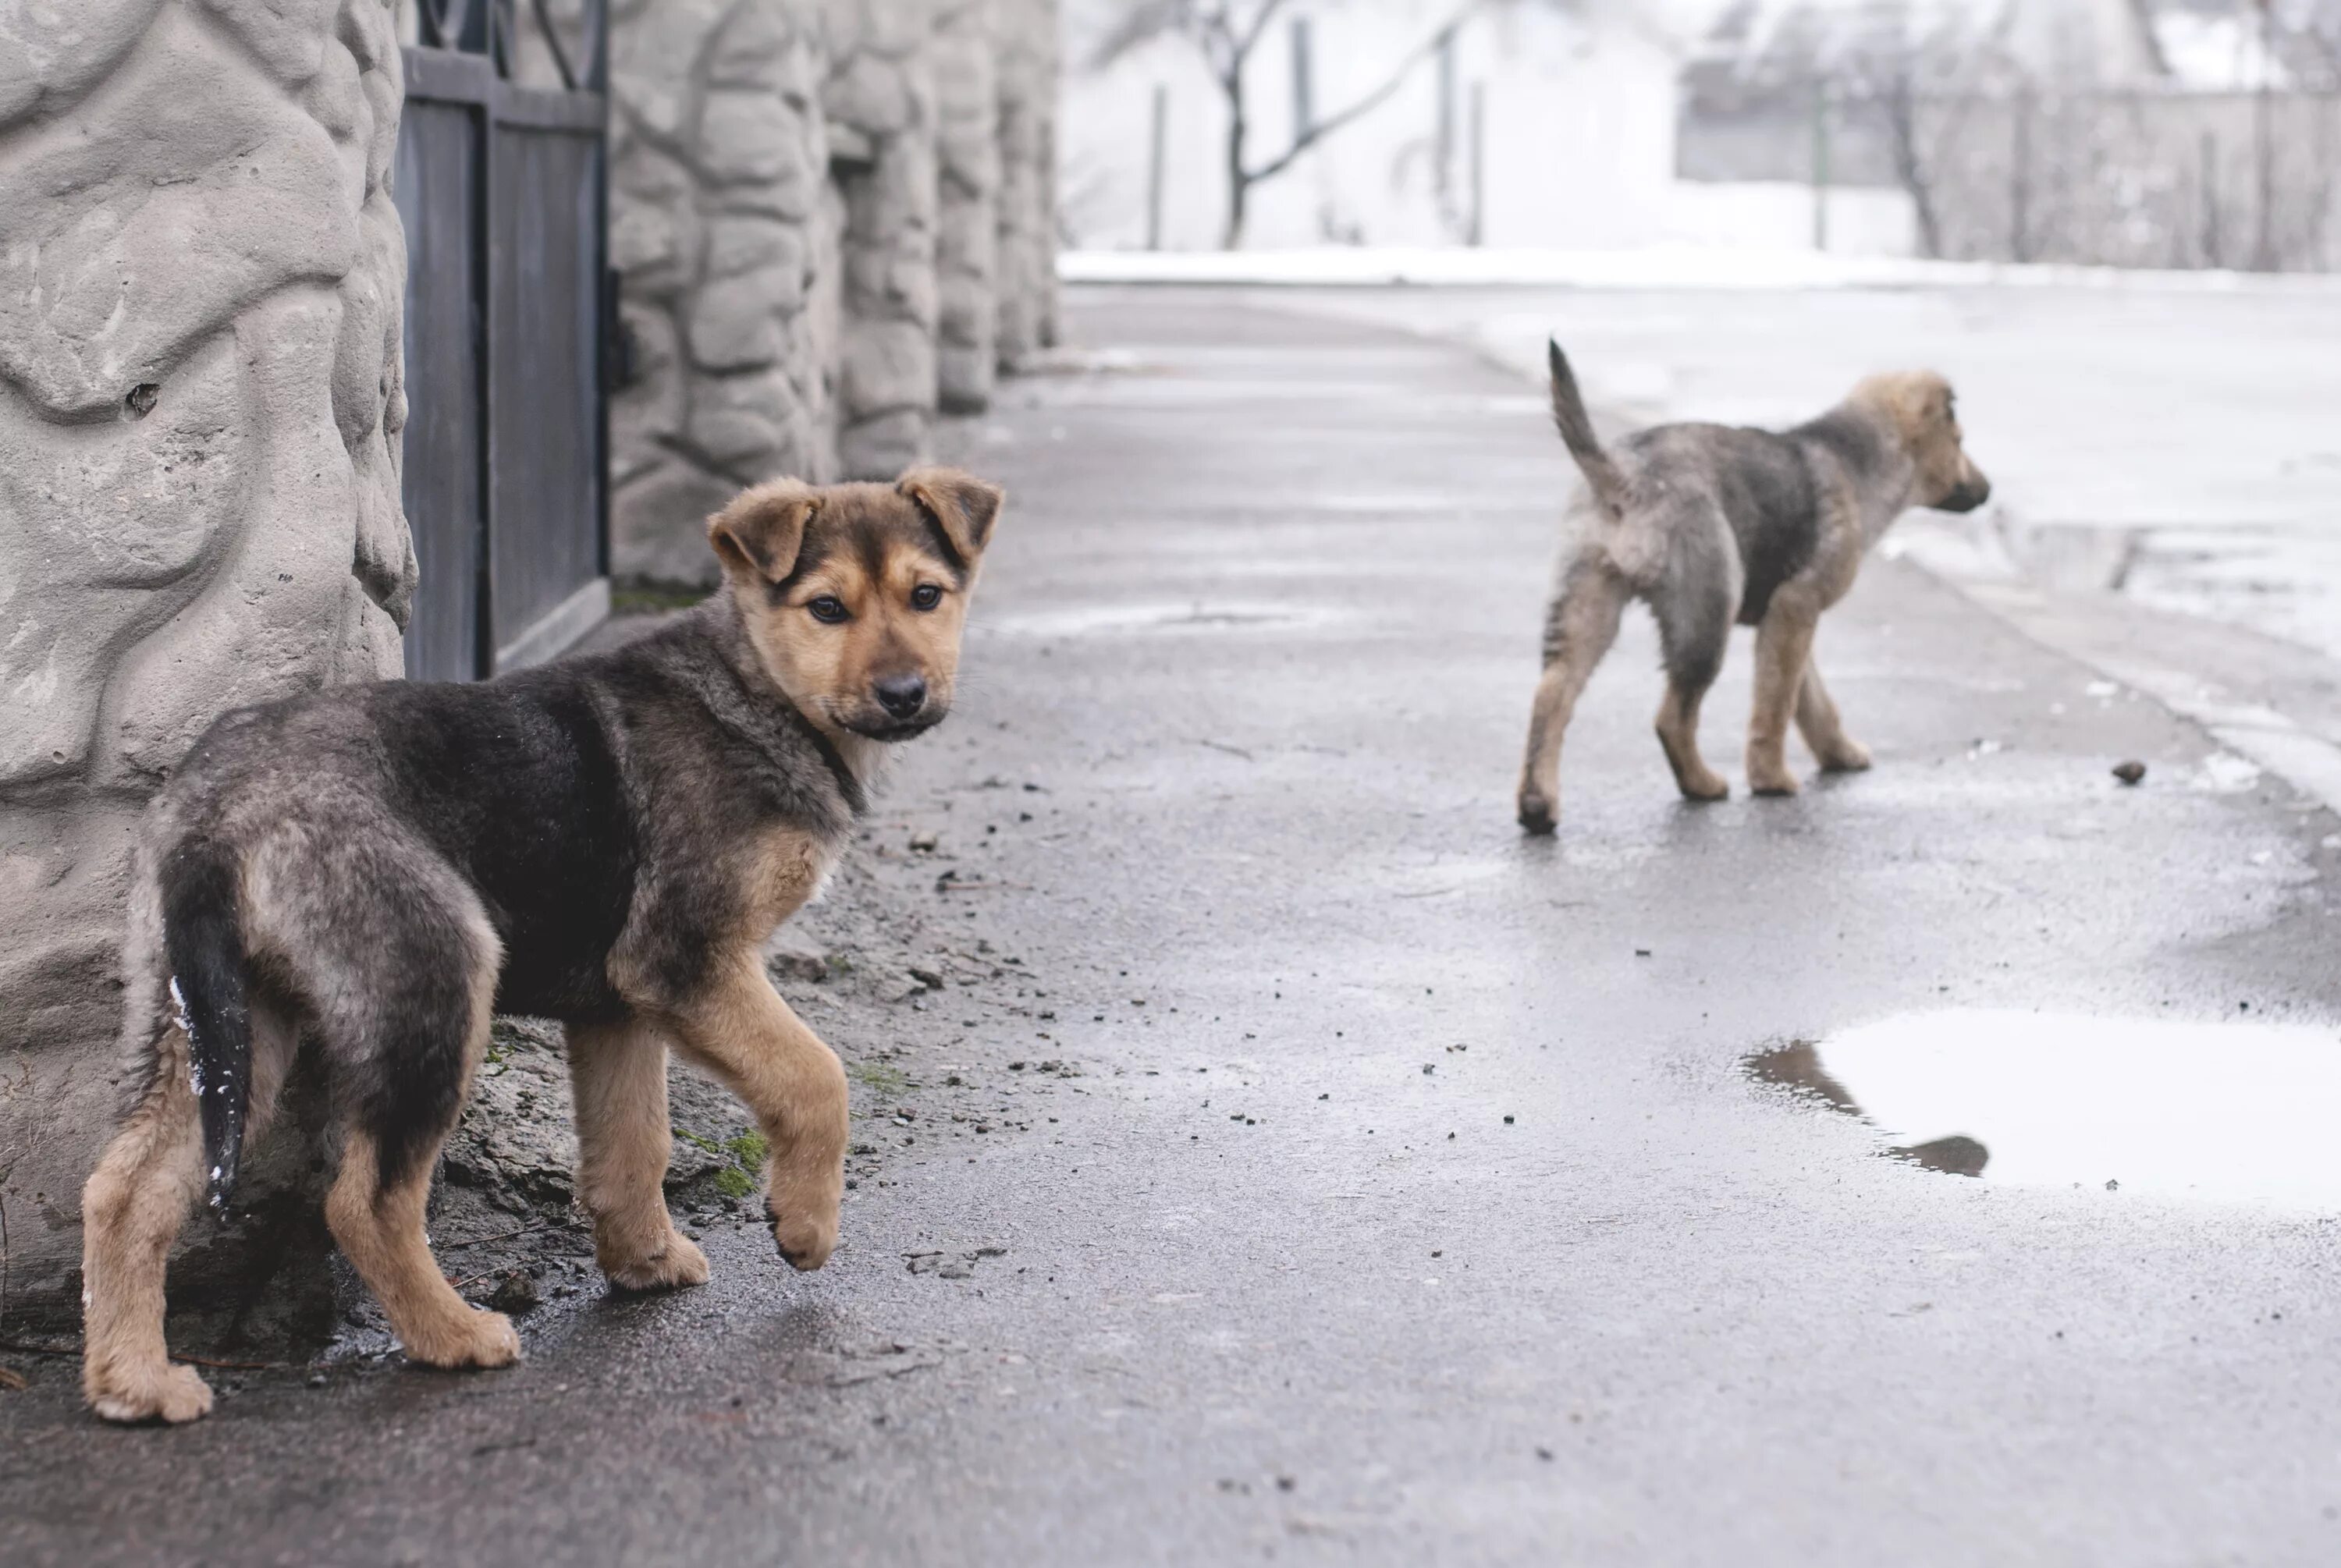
[[1577, 433], [202, 938]]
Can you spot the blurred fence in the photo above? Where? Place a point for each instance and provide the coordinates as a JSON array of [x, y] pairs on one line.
[[2127, 179], [2137, 179]]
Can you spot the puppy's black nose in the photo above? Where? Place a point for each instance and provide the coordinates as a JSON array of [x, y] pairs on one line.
[[901, 695]]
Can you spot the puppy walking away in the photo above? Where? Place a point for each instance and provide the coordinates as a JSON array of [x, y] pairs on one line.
[[1709, 525], [370, 873]]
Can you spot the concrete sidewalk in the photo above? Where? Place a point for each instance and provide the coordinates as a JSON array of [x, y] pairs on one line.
[[1311, 1168]]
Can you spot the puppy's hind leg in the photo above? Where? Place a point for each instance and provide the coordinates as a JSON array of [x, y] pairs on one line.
[[1824, 731], [1694, 612], [1578, 629], [133, 1208], [403, 1042], [619, 1071]]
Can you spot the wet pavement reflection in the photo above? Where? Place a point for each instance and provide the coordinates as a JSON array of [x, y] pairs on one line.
[[2229, 1112]]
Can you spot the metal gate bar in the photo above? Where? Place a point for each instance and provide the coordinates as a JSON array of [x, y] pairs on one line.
[[502, 189]]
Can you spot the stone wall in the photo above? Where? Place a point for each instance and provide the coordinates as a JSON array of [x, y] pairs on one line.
[[1027, 215], [717, 158], [833, 221], [200, 299]]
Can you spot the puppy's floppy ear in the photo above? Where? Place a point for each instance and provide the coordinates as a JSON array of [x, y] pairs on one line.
[[760, 534], [961, 504]]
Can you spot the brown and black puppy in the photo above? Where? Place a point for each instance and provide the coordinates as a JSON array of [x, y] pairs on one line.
[[1709, 524], [368, 874]]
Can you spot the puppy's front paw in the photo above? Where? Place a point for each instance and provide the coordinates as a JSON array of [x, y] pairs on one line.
[[1704, 785], [1771, 780], [1538, 812], [471, 1338], [805, 1214], [674, 1263], [166, 1393], [805, 1241], [1848, 756]]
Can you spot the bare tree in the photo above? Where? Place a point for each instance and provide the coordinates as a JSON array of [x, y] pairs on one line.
[[2308, 34], [1227, 32], [1919, 86]]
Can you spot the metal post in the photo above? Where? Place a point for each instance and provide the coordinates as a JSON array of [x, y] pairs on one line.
[[1304, 103], [2020, 177], [1154, 168], [1479, 163], [2209, 182], [1442, 172], [2264, 134], [1821, 164]]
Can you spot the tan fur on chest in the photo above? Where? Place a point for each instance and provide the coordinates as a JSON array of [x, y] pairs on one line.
[[1841, 545], [781, 872]]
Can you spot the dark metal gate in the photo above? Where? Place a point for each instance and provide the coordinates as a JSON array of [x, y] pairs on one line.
[[502, 189]]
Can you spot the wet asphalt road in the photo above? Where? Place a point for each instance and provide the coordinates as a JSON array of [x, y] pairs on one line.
[[1296, 1275]]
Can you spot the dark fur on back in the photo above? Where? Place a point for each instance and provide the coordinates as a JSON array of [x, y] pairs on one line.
[[1765, 486], [577, 802]]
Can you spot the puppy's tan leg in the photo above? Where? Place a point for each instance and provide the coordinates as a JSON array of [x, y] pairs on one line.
[[134, 1206], [1824, 731], [376, 1212], [132, 1210], [1582, 624], [1784, 645], [619, 1072], [740, 1029], [378, 1224], [1678, 727]]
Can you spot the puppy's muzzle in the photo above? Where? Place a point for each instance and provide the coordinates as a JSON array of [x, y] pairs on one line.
[[1972, 491], [898, 707], [901, 696]]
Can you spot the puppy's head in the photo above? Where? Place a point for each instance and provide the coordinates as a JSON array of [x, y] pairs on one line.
[[855, 596], [1924, 412]]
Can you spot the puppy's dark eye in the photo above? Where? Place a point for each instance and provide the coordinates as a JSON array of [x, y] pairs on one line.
[[827, 608], [926, 596]]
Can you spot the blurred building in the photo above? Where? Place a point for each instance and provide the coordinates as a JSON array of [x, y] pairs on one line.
[[1514, 123], [2123, 131], [1527, 124]]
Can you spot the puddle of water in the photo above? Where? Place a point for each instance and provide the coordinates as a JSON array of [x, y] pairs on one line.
[[2233, 1112]]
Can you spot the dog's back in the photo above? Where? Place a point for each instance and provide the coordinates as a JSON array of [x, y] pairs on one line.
[[514, 784], [1763, 483], [529, 788]]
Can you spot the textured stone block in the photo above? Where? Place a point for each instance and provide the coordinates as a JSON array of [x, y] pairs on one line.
[[658, 524], [748, 135], [201, 305], [758, 243], [58, 52], [872, 94], [881, 448], [741, 424], [889, 366], [740, 323]]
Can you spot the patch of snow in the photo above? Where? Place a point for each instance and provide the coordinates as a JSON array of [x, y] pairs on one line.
[[1663, 266], [2211, 53], [2226, 773]]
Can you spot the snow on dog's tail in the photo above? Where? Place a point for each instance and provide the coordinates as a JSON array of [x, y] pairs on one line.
[[203, 939], [1577, 433]]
